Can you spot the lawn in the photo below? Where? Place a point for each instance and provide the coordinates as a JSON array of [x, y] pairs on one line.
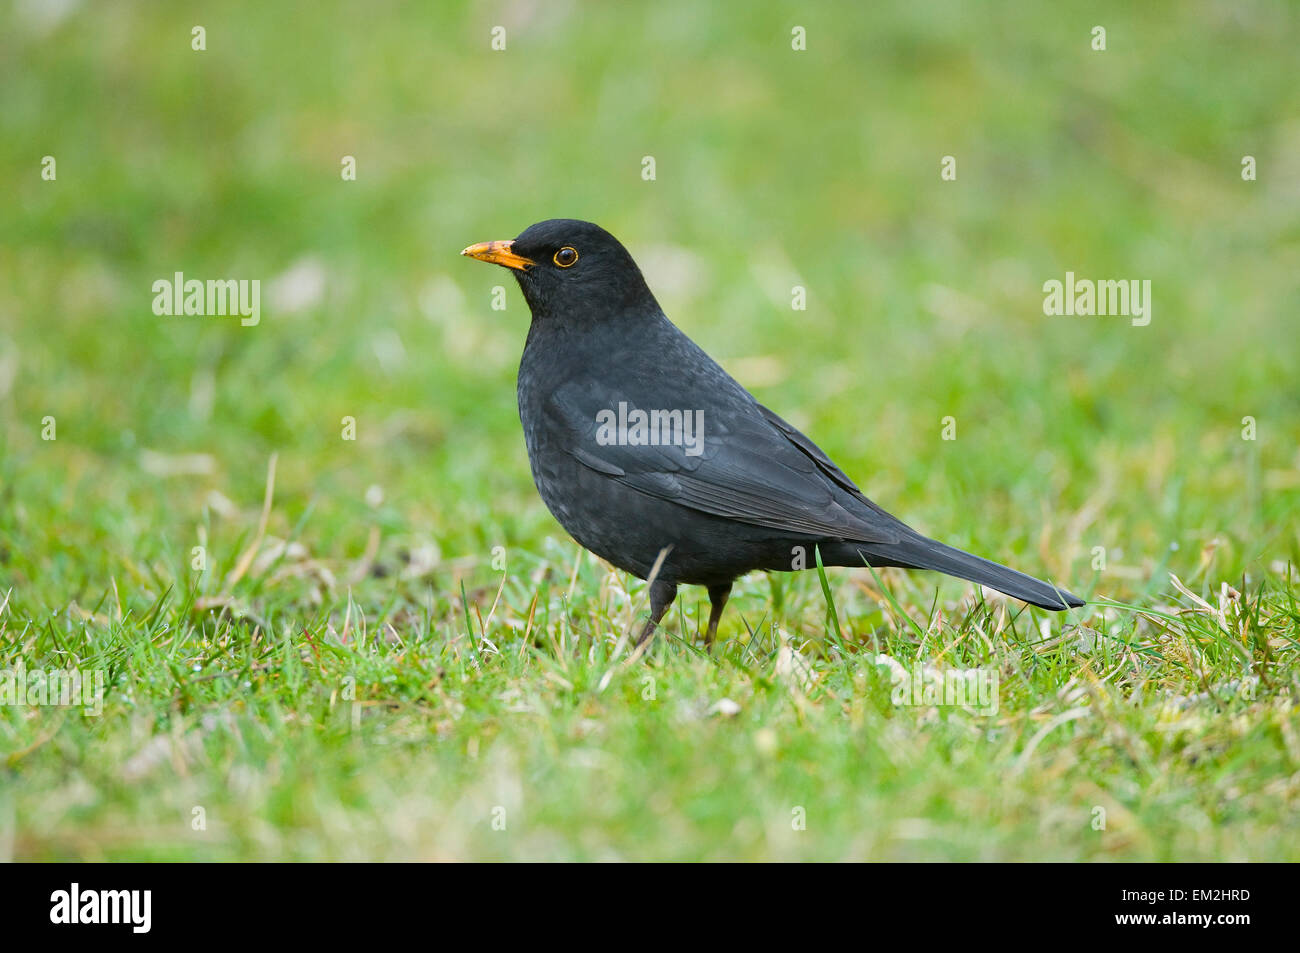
[[304, 556]]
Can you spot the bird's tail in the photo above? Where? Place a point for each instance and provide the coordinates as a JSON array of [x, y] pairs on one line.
[[919, 552]]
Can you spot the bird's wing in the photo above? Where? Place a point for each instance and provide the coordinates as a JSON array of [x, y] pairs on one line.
[[814, 452], [828, 467], [750, 468]]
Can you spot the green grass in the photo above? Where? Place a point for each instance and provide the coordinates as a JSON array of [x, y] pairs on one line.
[[359, 672]]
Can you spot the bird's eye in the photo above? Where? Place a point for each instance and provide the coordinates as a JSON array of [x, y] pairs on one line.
[[566, 257]]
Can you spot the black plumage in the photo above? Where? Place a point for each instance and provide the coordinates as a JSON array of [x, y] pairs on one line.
[[747, 492]]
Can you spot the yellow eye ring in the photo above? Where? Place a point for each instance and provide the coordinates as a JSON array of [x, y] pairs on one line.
[[566, 257]]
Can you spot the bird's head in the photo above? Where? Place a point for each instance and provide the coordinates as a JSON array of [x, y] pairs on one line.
[[570, 270]]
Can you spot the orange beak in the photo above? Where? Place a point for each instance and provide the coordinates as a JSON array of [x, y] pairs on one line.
[[498, 253]]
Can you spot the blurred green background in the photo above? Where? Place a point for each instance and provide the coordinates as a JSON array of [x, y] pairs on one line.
[[774, 168]]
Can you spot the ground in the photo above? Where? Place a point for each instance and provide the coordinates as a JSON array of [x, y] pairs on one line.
[[331, 616]]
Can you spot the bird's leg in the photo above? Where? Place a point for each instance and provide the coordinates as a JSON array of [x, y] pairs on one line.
[[717, 602], [662, 594]]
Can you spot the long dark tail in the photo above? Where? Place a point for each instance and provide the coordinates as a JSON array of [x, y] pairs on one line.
[[920, 552]]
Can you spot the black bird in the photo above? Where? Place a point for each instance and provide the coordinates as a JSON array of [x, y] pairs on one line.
[[640, 444]]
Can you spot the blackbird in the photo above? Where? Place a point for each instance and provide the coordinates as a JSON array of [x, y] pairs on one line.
[[654, 458]]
